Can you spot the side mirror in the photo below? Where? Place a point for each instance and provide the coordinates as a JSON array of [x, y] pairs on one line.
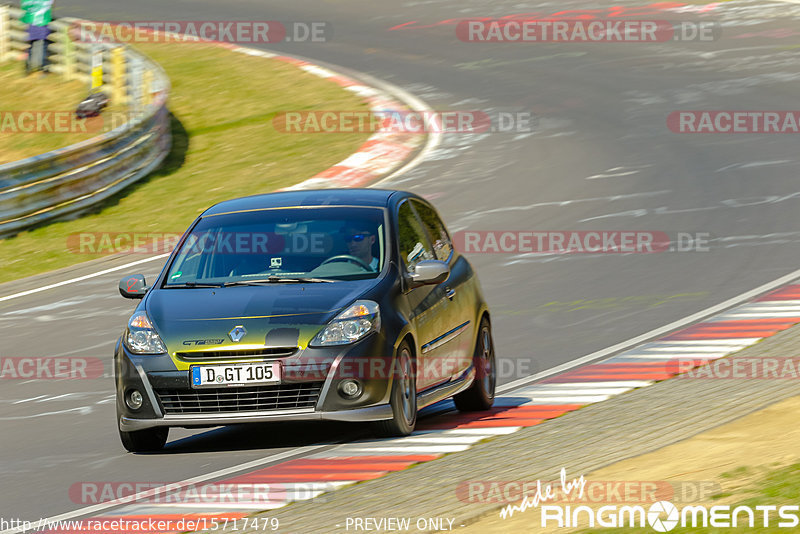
[[133, 286], [429, 272]]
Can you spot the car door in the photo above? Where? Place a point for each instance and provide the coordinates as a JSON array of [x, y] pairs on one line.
[[425, 302], [460, 305]]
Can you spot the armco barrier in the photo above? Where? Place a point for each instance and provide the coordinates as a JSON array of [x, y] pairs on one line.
[[73, 179]]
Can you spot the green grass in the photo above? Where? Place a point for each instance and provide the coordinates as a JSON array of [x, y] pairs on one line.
[[776, 487], [37, 92], [224, 146]]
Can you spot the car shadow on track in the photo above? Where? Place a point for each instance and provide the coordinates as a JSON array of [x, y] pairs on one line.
[[266, 436], [281, 435]]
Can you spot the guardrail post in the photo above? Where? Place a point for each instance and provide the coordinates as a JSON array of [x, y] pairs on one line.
[[69, 55], [96, 75], [134, 85], [5, 34], [147, 88], [118, 76]]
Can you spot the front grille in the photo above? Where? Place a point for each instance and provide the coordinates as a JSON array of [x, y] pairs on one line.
[[239, 399], [279, 352]]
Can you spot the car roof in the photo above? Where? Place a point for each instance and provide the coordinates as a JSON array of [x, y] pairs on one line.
[[311, 197]]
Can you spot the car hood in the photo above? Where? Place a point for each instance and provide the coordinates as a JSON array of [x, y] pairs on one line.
[[202, 318]]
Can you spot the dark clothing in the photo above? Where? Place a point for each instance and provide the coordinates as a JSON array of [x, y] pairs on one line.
[[36, 33], [38, 14]]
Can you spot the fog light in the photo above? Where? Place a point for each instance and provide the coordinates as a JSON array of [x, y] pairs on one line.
[[134, 400], [350, 388]]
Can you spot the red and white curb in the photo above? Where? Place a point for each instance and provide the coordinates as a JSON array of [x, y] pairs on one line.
[[381, 153], [382, 157], [311, 476]]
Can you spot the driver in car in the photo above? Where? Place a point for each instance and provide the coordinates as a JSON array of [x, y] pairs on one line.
[[359, 244]]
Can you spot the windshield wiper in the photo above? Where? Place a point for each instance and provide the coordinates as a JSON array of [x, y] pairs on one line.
[[192, 285], [277, 280]]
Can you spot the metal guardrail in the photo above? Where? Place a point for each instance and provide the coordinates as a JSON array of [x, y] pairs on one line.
[[71, 180]]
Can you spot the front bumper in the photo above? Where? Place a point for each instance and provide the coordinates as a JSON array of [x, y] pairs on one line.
[[169, 399], [372, 413]]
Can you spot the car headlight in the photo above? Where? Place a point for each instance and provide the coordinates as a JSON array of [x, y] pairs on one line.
[[141, 338], [361, 318]]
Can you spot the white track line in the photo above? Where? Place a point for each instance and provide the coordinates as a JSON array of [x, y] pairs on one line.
[[681, 350], [738, 315], [457, 431], [81, 278], [625, 384], [579, 392], [665, 357], [403, 449], [733, 342], [675, 325], [571, 399], [433, 140], [162, 489]]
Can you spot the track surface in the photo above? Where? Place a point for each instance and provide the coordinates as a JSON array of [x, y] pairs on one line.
[[601, 107]]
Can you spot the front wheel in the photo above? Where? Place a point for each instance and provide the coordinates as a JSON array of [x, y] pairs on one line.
[[403, 398], [480, 395], [148, 440]]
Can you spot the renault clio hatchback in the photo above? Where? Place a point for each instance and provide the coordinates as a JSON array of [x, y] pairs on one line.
[[347, 305]]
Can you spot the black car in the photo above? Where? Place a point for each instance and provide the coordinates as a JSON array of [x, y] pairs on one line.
[[348, 305]]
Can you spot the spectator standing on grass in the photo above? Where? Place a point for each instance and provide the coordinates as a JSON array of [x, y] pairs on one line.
[[38, 14]]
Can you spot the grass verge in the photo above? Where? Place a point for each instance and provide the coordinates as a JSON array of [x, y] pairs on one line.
[[224, 146], [774, 487], [752, 461], [37, 93]]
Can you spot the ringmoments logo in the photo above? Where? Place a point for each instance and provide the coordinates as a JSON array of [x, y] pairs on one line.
[[661, 516]]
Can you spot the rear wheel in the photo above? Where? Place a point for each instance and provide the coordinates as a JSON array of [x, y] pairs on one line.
[[403, 398], [148, 440], [480, 395]]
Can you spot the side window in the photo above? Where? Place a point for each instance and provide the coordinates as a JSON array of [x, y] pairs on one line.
[[442, 247], [414, 245]]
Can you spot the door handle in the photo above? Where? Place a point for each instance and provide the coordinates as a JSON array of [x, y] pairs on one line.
[[450, 293]]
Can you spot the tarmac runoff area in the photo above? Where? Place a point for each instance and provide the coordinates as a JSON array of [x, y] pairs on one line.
[[603, 441]]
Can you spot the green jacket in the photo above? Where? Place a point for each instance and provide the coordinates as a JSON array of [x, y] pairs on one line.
[[37, 12]]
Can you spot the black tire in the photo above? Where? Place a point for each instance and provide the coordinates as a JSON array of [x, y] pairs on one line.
[[480, 395], [403, 398], [148, 440]]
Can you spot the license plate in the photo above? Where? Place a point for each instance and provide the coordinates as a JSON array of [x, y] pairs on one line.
[[233, 375]]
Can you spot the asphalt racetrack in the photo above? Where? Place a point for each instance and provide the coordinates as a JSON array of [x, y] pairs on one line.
[[600, 158]]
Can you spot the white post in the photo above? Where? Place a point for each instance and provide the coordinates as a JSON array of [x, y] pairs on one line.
[[135, 86], [5, 34]]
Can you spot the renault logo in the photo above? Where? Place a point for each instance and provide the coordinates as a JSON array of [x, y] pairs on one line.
[[237, 333]]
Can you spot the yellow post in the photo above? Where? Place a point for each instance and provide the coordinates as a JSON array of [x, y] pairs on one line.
[[118, 76], [97, 70], [5, 35], [69, 56], [147, 83]]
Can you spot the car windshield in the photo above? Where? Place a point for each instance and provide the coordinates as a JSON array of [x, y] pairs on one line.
[[319, 244]]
